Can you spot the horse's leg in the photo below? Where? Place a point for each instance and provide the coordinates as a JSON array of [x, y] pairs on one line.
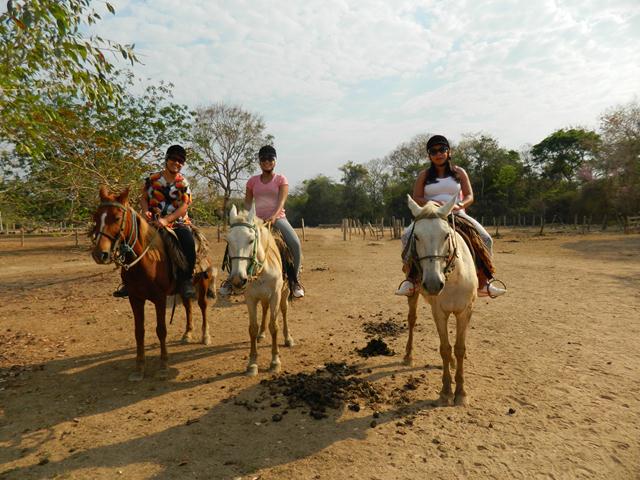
[[440, 318], [462, 322], [137, 306], [161, 332], [411, 320], [273, 328], [284, 308], [252, 366], [188, 333], [263, 323], [202, 303]]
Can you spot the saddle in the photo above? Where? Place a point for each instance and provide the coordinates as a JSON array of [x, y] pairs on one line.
[[479, 251], [177, 258]]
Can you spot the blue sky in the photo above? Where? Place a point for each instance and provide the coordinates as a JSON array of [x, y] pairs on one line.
[[340, 81]]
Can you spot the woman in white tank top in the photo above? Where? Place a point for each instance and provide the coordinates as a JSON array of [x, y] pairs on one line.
[[439, 183]]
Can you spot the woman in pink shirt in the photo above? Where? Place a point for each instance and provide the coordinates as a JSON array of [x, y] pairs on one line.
[[270, 190]]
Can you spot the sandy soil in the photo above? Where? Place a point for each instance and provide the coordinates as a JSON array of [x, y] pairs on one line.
[[552, 372]]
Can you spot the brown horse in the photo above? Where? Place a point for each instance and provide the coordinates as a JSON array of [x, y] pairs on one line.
[[124, 237]]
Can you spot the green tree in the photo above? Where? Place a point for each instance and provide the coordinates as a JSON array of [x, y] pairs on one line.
[[619, 162], [323, 201], [44, 56], [88, 145], [225, 140], [562, 154], [355, 201]]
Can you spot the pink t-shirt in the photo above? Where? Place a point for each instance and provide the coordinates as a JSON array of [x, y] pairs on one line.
[[266, 195]]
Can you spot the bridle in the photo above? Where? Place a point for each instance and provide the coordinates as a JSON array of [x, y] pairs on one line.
[[255, 266], [452, 250], [121, 246]]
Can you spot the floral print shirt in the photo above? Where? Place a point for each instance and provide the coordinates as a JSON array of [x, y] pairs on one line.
[[165, 198]]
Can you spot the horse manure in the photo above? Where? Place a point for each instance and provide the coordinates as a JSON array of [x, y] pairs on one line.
[[332, 386], [375, 347], [390, 328], [276, 417]]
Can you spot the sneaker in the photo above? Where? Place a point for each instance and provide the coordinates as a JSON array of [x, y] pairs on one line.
[[121, 292], [491, 290], [298, 291], [407, 288], [226, 288]]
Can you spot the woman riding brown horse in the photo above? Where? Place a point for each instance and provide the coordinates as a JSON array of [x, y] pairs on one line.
[[124, 237]]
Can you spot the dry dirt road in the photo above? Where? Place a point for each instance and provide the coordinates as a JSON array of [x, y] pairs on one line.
[[552, 373]]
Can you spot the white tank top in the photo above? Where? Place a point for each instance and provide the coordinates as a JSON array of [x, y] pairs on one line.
[[442, 190]]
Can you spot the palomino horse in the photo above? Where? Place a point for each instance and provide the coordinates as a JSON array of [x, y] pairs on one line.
[[124, 237], [256, 265], [448, 283]]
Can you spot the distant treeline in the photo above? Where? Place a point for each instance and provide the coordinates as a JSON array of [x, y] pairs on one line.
[[572, 173]]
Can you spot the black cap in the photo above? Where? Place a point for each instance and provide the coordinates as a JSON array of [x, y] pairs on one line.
[[176, 152], [437, 140], [267, 151]]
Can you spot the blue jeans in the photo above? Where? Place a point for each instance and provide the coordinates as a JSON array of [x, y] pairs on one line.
[[292, 241]]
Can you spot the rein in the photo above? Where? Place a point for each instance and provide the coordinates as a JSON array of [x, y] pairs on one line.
[[255, 266], [450, 257], [121, 246]]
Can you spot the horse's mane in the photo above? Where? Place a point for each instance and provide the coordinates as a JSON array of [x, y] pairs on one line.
[[148, 236]]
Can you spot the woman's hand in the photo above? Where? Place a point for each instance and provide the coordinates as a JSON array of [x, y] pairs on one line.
[[162, 223], [272, 219]]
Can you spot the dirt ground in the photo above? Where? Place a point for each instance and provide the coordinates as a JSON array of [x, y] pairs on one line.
[[551, 371]]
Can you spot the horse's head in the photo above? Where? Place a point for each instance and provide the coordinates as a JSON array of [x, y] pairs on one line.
[[243, 239], [433, 242], [109, 225]]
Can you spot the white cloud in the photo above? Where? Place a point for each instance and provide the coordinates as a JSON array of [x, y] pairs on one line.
[[344, 80]]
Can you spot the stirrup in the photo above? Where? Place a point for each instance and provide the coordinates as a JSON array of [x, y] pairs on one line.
[[492, 291], [121, 292], [407, 288]]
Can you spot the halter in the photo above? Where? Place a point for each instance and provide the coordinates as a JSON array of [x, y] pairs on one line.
[[255, 266], [450, 257], [121, 246]]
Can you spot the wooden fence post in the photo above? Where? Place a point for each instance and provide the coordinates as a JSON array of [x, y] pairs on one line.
[[22, 236], [303, 237], [77, 239]]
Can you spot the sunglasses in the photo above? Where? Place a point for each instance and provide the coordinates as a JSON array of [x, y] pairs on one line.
[[267, 159], [177, 160], [436, 150]]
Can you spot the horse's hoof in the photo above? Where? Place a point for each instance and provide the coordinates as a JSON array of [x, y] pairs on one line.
[[136, 377], [289, 342], [408, 361], [206, 340], [162, 374], [186, 338], [252, 370], [461, 400], [274, 367], [445, 400], [260, 337]]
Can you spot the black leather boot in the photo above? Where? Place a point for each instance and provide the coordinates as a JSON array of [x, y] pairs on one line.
[[121, 292]]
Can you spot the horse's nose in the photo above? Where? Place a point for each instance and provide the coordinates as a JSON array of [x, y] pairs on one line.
[[238, 281], [433, 288], [101, 257]]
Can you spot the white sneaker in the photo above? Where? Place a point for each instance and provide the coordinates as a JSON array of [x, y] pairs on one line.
[[298, 291], [225, 289], [407, 288], [491, 291]]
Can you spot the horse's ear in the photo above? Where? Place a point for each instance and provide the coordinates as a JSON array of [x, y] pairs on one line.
[[233, 213], [124, 196], [413, 206], [104, 192], [252, 212], [445, 210]]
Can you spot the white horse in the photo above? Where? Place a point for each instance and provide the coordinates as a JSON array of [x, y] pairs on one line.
[[256, 266], [449, 284]]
